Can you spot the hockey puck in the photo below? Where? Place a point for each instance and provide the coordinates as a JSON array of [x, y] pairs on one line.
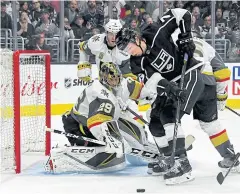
[[140, 190]]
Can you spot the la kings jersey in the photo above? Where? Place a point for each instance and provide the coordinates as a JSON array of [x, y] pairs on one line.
[[97, 104], [97, 45], [162, 54]]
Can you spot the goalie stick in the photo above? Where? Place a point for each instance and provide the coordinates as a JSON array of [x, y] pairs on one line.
[[75, 136], [147, 155], [221, 177]]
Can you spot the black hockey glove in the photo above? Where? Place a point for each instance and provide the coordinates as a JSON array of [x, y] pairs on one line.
[[185, 44], [172, 90]]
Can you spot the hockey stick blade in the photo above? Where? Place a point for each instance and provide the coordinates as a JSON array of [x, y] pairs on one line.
[[221, 177], [188, 142]]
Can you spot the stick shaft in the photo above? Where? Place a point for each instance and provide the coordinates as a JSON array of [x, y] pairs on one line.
[[227, 107], [177, 122], [76, 136]]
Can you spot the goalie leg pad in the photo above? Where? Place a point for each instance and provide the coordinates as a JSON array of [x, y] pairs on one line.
[[113, 138], [83, 159]]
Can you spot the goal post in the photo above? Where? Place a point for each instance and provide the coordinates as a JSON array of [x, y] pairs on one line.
[[25, 104]]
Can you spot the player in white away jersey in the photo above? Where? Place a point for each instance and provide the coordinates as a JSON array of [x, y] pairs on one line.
[[103, 46], [94, 116]]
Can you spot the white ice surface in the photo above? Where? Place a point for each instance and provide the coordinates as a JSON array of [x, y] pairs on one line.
[[203, 158]]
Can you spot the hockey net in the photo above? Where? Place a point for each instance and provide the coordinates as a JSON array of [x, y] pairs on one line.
[[24, 104]]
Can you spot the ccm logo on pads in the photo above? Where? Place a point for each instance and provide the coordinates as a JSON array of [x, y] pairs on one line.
[[236, 80]]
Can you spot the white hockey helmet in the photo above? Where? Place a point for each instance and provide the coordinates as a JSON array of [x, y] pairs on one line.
[[113, 26]]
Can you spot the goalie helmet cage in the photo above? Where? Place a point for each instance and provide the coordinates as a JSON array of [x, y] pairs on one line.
[[25, 105]]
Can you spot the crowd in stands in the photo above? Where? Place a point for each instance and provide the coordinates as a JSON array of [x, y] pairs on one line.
[[38, 21]]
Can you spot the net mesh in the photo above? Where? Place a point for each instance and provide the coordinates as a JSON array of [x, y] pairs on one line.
[[32, 106]]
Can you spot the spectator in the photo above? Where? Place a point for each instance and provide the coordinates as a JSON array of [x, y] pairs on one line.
[[196, 13], [144, 23], [149, 20], [93, 17], [68, 32], [133, 25], [131, 5], [95, 31], [220, 22], [8, 5], [205, 30], [24, 8], [37, 42], [233, 22], [178, 4], [47, 5], [115, 13], [225, 7], [36, 12], [136, 15], [6, 21], [78, 27], [24, 28], [46, 26], [194, 27], [72, 11]]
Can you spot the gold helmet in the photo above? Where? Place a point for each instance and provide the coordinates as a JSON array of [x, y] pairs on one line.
[[110, 74]]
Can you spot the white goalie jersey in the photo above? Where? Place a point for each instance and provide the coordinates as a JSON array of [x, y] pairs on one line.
[[97, 104]]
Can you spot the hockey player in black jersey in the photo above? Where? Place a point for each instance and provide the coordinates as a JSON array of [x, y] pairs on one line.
[[155, 55]]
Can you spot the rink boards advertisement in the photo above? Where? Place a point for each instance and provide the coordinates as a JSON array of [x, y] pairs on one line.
[[66, 88], [69, 86]]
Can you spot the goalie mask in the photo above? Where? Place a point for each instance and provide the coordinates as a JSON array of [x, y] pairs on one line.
[[110, 75]]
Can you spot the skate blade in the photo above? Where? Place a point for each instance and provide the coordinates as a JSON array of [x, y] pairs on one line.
[[187, 177]]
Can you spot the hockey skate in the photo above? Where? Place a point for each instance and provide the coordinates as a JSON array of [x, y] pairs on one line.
[[181, 172], [157, 168], [226, 163]]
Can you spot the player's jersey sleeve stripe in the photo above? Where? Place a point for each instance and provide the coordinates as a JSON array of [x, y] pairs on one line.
[[131, 75], [134, 89], [222, 75], [97, 120]]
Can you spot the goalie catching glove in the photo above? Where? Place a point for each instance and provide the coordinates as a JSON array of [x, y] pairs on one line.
[[84, 72]]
